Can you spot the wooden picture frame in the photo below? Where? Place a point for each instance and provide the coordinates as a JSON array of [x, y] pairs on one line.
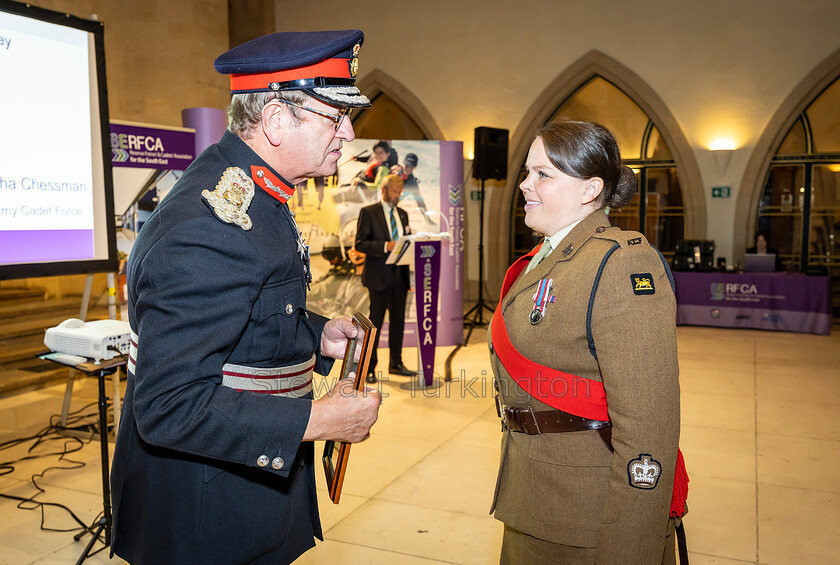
[[335, 459]]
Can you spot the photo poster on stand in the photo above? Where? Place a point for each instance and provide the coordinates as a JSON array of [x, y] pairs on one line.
[[327, 209]]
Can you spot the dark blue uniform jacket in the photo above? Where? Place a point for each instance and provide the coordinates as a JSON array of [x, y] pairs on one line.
[[185, 481]]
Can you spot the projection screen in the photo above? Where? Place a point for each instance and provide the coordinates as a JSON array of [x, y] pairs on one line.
[[56, 188]]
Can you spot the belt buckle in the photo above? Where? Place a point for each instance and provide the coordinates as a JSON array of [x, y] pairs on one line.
[[500, 412], [530, 411]]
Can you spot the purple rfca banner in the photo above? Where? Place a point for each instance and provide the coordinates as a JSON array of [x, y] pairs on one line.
[[427, 279], [145, 147], [766, 301]]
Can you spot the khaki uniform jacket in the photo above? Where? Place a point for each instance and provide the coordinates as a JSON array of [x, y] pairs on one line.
[[569, 488]]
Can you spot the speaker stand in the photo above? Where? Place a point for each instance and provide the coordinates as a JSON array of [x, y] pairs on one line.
[[475, 316]]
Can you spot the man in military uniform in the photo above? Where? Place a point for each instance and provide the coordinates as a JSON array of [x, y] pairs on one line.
[[214, 457]]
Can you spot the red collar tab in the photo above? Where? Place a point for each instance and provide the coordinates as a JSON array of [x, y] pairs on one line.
[[275, 186], [331, 68]]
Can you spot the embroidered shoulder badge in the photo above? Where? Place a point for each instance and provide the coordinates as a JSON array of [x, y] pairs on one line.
[[643, 472], [642, 283], [232, 197]]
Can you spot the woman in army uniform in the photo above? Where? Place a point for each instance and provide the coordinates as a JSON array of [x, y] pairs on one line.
[[584, 352]]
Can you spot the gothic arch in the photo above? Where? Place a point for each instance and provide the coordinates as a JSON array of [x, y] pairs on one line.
[[777, 128], [378, 81], [591, 64]]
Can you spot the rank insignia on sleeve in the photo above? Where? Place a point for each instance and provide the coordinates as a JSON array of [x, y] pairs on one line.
[[642, 283], [232, 197], [643, 472]]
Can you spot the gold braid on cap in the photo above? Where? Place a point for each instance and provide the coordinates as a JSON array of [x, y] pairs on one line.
[[232, 197]]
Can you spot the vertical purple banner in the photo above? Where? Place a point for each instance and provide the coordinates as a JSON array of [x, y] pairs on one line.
[[427, 282], [209, 125], [452, 264]]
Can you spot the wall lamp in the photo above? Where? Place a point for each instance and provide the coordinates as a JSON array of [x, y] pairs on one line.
[[722, 150]]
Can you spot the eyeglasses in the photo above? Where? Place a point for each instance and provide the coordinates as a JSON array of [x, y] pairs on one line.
[[336, 118]]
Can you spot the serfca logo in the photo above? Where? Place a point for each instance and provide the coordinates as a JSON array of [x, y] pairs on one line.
[[136, 142], [717, 291]]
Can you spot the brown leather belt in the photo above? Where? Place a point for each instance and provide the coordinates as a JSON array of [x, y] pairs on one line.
[[525, 420]]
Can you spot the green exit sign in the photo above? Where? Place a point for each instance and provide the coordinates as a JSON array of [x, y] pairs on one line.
[[721, 191]]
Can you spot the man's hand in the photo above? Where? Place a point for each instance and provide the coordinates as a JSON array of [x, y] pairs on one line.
[[344, 414], [389, 245], [335, 335]]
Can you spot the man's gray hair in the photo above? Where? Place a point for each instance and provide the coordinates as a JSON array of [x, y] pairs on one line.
[[245, 110]]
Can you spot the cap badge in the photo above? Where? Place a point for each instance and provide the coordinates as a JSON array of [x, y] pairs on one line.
[[354, 61], [643, 472], [541, 299], [232, 197]]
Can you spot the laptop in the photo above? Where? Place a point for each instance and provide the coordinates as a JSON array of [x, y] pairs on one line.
[[759, 263]]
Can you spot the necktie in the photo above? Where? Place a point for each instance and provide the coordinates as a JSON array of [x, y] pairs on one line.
[[545, 249], [394, 233]]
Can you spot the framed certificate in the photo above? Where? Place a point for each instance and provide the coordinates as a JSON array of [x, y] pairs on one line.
[[356, 360]]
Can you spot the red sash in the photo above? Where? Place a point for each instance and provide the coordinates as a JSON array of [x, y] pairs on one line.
[[536, 380], [563, 391]]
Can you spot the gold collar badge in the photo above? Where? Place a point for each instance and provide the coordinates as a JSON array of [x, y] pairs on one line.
[[232, 197]]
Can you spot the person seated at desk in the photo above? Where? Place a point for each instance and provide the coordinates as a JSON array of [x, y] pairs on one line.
[[762, 248]]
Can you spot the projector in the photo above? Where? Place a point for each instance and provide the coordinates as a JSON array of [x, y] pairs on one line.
[[96, 340]]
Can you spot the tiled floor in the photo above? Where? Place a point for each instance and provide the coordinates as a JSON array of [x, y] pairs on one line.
[[760, 434]]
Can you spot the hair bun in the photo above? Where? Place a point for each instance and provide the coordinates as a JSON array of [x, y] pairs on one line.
[[624, 189]]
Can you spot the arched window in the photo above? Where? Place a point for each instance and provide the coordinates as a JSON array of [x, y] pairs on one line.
[[657, 210], [386, 119], [799, 209]]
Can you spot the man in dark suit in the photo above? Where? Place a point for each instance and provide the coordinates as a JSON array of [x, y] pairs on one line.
[[214, 459], [380, 226]]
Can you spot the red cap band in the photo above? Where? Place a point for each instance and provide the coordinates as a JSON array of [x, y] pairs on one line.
[[333, 68]]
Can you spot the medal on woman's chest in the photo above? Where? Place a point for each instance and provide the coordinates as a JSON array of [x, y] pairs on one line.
[[542, 297]]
